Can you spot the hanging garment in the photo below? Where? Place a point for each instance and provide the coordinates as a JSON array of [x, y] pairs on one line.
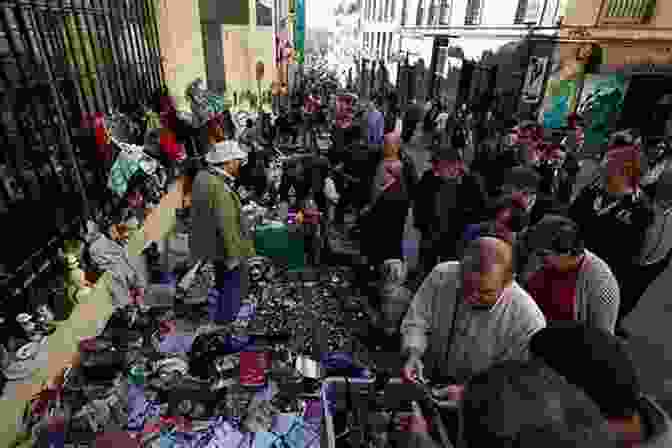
[[126, 165]]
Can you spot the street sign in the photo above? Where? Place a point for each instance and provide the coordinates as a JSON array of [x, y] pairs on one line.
[[534, 81]]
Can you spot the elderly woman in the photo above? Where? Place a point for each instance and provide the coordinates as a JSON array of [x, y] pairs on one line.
[[384, 218]]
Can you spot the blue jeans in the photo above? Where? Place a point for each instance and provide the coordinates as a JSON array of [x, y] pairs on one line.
[[228, 284]]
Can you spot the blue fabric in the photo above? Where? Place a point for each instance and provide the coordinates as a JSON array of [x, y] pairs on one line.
[[292, 430], [376, 125], [176, 343], [472, 232], [224, 301]]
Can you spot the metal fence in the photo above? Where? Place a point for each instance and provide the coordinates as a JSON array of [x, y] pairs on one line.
[[59, 60]]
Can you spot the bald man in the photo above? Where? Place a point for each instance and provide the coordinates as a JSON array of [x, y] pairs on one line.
[[468, 315]]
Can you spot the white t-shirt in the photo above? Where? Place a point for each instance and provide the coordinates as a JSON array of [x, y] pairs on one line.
[[441, 121]]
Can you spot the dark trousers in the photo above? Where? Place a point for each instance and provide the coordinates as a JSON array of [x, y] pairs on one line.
[[634, 285], [408, 130]]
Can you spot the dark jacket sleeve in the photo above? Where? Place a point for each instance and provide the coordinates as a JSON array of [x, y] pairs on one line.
[[475, 210], [410, 174], [422, 202]]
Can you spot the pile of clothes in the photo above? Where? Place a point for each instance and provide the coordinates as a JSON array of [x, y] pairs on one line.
[[143, 377]]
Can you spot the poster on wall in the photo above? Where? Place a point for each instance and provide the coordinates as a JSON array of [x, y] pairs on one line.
[[534, 80], [558, 102], [600, 105], [300, 30]]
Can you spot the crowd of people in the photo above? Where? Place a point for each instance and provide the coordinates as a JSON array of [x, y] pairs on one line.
[[525, 279]]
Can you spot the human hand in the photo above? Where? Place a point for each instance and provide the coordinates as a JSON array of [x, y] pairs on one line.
[[413, 369]]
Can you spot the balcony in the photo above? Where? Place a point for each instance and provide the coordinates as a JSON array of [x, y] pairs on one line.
[[474, 12], [628, 11]]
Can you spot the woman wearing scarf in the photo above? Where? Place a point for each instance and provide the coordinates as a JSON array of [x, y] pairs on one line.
[[613, 216], [385, 215]]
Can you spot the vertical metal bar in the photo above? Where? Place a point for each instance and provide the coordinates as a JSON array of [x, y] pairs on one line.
[[82, 44], [114, 85], [133, 37], [144, 45], [124, 79], [151, 5], [135, 13], [44, 34], [73, 70], [66, 138], [123, 44], [152, 42], [25, 133], [86, 18]]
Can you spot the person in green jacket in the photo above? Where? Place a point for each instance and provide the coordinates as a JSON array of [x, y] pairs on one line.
[[220, 231]]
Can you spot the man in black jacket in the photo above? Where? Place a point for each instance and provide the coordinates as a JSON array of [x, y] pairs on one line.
[[445, 201]]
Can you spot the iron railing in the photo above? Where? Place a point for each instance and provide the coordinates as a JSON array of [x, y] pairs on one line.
[[630, 11], [60, 60]]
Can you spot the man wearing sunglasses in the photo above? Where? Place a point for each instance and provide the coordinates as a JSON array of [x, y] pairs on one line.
[[572, 284]]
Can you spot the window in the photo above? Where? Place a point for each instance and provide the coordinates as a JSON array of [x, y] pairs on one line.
[[521, 12], [382, 46], [404, 12], [444, 12], [421, 12], [381, 11], [474, 12], [386, 15], [393, 9], [441, 62], [433, 13], [629, 11], [389, 46], [373, 9]]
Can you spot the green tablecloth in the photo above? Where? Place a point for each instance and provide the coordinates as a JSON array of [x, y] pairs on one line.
[[279, 242]]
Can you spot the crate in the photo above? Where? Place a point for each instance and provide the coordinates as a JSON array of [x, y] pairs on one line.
[[364, 397]]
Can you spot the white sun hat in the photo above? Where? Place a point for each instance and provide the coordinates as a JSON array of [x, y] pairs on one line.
[[224, 152]]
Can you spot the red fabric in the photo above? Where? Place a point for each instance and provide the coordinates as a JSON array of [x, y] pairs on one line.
[[555, 293], [311, 216], [170, 147], [312, 105]]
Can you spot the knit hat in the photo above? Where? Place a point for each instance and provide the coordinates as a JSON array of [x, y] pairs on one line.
[[593, 360], [446, 153], [557, 233], [225, 152], [522, 178]]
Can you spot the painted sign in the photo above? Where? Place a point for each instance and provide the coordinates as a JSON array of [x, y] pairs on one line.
[[558, 103], [600, 106], [300, 30], [534, 81]]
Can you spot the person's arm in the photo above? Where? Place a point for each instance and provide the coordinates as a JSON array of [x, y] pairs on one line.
[[521, 328], [602, 295], [228, 224], [418, 320]]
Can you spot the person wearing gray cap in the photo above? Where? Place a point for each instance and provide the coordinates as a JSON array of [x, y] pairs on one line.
[[220, 233]]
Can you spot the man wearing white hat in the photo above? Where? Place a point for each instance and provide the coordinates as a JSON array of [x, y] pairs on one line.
[[220, 232]]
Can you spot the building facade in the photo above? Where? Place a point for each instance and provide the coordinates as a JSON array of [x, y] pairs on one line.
[[623, 44], [459, 49]]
